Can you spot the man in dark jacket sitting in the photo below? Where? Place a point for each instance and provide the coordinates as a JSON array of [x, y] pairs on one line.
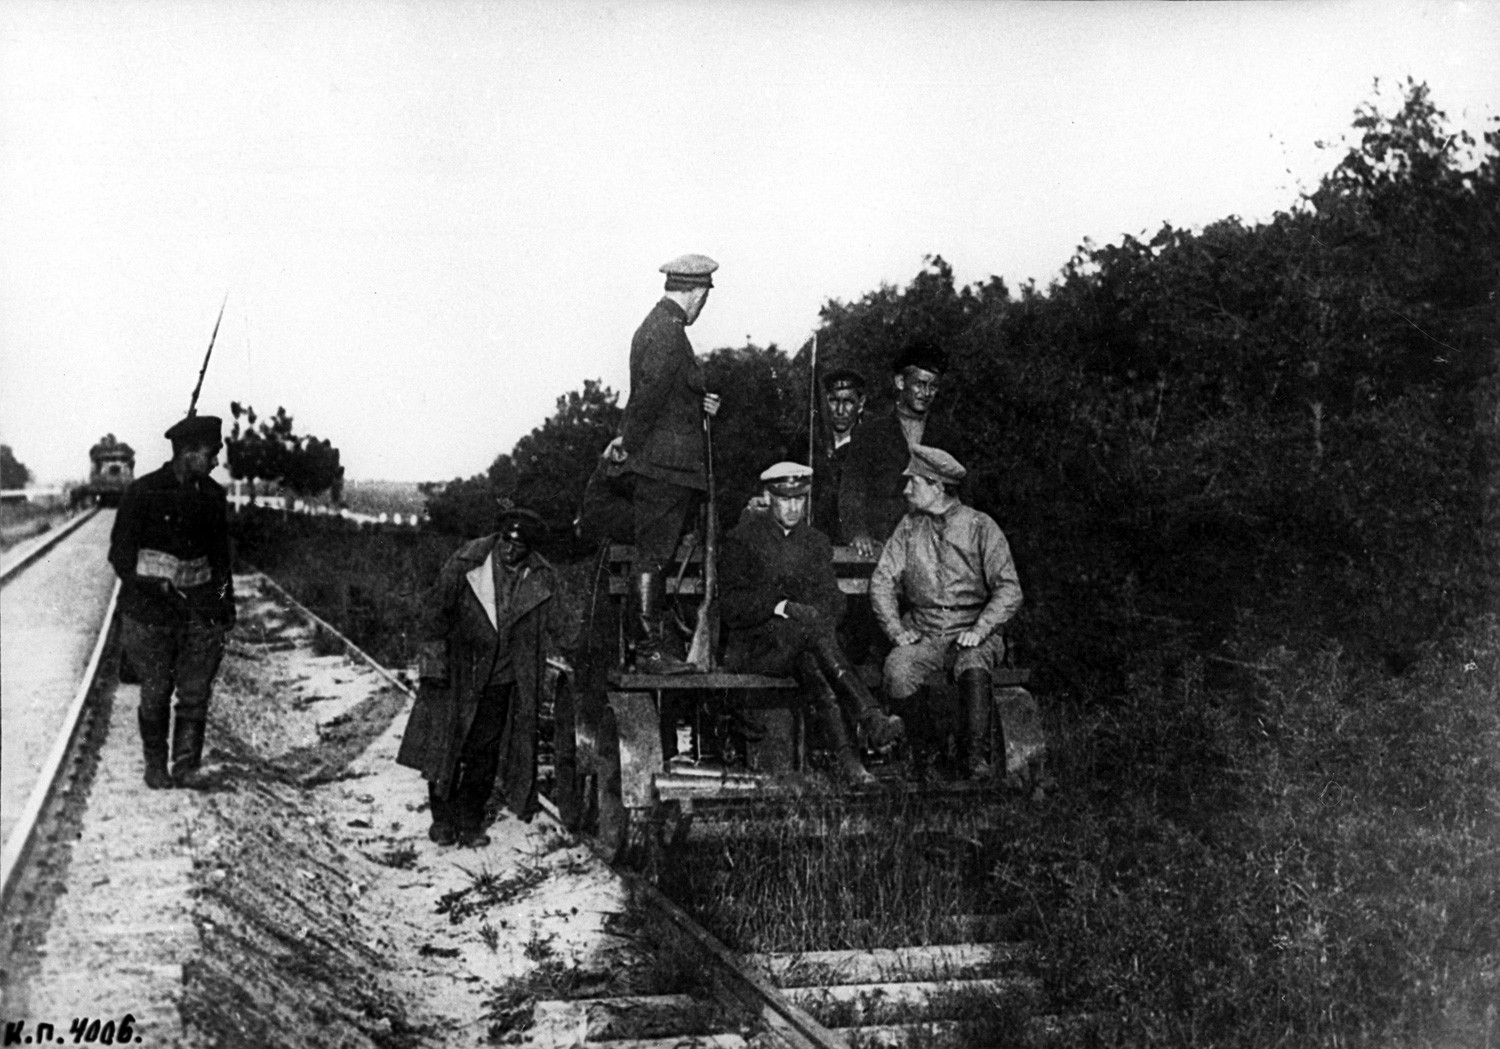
[[781, 604]]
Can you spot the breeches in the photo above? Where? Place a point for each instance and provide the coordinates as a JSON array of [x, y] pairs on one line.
[[908, 667], [183, 657], [660, 509]]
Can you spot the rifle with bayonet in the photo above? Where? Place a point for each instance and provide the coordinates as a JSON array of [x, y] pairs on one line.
[[193, 404]]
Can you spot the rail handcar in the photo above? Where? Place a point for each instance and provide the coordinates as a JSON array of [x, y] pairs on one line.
[[112, 468], [636, 753]]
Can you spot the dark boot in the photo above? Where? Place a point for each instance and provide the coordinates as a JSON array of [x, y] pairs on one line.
[[880, 730], [975, 705], [442, 831], [649, 620], [825, 706], [187, 752], [154, 746], [921, 738]]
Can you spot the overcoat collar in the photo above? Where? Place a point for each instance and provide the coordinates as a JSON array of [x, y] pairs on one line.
[[534, 587]]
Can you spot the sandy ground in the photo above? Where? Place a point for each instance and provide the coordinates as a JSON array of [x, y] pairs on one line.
[[298, 901]]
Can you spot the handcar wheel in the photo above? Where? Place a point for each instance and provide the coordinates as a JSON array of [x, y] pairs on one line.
[[614, 817]]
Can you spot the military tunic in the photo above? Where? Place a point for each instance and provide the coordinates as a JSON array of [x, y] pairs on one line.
[[953, 573], [166, 529], [662, 432]]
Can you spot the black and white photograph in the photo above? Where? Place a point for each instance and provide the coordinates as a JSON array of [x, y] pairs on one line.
[[839, 524]]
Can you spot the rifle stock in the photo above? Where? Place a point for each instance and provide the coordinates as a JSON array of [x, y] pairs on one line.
[[706, 630]]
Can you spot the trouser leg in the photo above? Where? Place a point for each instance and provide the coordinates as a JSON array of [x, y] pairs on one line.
[[198, 662], [660, 510], [479, 759], [152, 652]]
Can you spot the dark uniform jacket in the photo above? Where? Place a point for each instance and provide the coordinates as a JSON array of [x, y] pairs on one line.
[[662, 429], [460, 648], [762, 566], [872, 481], [828, 471], [187, 522]]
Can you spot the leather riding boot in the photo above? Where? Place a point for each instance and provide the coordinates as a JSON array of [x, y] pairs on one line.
[[922, 744], [187, 752], [651, 655], [879, 729], [976, 699], [825, 706], [154, 747]]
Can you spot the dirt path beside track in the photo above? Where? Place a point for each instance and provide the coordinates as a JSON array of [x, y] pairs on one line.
[[298, 901]]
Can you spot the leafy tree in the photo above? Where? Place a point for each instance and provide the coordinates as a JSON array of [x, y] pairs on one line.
[[272, 451], [13, 474]]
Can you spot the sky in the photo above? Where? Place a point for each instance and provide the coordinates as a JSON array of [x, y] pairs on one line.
[[427, 220]]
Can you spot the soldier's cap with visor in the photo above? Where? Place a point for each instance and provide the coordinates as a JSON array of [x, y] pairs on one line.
[[196, 430], [844, 379], [921, 353], [787, 479], [689, 271], [934, 464], [517, 522]]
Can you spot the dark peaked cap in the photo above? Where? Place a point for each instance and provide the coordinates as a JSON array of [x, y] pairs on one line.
[[519, 521], [197, 429], [921, 353], [841, 378], [689, 271]]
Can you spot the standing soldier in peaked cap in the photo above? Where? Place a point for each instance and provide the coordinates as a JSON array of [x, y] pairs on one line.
[[486, 625], [782, 605], [945, 584], [170, 547], [661, 443]]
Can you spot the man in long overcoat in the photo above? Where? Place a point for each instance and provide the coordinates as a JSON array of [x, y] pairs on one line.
[[487, 623], [781, 605], [661, 443]]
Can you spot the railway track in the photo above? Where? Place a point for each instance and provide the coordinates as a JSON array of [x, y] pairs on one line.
[[919, 993], [964, 992], [58, 607]]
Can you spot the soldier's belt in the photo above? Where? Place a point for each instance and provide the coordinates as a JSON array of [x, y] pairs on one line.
[[181, 574], [951, 608]]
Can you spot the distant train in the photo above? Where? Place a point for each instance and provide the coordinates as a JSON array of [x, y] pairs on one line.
[[111, 471]]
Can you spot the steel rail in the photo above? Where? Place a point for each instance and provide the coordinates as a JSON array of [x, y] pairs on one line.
[[795, 1027], [22, 839], [27, 558]]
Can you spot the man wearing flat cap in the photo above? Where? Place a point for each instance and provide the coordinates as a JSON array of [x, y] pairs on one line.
[[781, 604], [170, 548], [486, 626], [871, 498], [661, 444], [944, 586]]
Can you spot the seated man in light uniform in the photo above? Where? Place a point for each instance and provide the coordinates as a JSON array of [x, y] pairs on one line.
[[945, 581], [781, 604]]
